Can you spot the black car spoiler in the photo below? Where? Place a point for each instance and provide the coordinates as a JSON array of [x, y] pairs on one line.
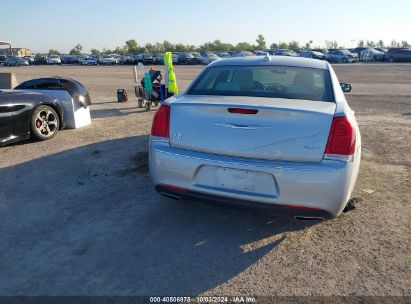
[[72, 86]]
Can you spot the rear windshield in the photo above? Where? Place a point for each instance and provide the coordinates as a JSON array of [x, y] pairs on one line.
[[265, 81]]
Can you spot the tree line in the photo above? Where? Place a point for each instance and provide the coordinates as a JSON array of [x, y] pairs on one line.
[[132, 47]]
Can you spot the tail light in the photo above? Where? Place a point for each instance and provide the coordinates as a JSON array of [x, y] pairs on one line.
[[173, 188], [341, 140], [301, 208], [242, 111], [161, 122]]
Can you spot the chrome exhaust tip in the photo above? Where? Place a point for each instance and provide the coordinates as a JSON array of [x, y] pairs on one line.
[[308, 218], [172, 196]]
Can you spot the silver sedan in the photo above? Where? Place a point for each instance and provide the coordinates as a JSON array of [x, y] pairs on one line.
[[267, 132]]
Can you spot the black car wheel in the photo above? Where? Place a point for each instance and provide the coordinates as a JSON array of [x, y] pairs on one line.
[[391, 59], [345, 60], [45, 123]]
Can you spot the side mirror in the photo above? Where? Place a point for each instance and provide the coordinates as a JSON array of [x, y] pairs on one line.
[[345, 87]]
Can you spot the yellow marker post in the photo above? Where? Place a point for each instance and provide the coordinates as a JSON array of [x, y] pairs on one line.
[[171, 81]]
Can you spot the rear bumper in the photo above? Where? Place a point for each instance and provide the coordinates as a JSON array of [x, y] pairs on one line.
[[275, 209], [321, 189]]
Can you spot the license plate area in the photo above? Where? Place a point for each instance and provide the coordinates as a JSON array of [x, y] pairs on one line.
[[235, 179], [247, 182]]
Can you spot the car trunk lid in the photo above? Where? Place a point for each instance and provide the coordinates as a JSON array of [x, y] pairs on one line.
[[252, 127]]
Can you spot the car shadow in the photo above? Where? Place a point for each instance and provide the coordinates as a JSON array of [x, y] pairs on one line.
[[104, 113], [110, 102], [87, 221]]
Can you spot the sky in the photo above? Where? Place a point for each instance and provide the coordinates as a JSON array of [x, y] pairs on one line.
[[44, 24]]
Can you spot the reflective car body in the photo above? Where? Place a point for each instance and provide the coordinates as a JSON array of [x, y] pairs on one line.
[[148, 59], [285, 52], [73, 96], [197, 57], [371, 54], [242, 54], [69, 60], [15, 61], [158, 58], [341, 56], [399, 55], [16, 108], [312, 54], [223, 55], [266, 132], [88, 61], [40, 59], [186, 58], [30, 59], [106, 60], [76, 90], [383, 50], [53, 59], [208, 57]]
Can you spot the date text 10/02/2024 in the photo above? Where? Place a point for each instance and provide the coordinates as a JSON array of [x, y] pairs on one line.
[[203, 299]]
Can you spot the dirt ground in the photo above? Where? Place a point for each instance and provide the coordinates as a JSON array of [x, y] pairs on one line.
[[79, 216]]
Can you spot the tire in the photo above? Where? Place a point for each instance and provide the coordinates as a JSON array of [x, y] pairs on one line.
[[345, 60], [352, 204], [140, 103], [148, 106], [391, 59], [44, 123]]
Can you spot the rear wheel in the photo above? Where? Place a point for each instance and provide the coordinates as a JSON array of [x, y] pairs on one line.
[[140, 103], [148, 106], [345, 60], [391, 59], [45, 123]]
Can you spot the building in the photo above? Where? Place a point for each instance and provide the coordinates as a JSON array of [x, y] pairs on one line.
[[20, 52]]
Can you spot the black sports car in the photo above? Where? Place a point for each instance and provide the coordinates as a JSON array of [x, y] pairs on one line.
[[75, 89], [24, 114]]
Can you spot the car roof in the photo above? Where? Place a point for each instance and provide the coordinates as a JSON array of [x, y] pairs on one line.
[[274, 60], [399, 50]]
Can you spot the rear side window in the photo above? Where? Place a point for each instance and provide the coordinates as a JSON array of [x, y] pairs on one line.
[[265, 81], [40, 84], [48, 86]]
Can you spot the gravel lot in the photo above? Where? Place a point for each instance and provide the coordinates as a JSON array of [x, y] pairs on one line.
[[78, 215]]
